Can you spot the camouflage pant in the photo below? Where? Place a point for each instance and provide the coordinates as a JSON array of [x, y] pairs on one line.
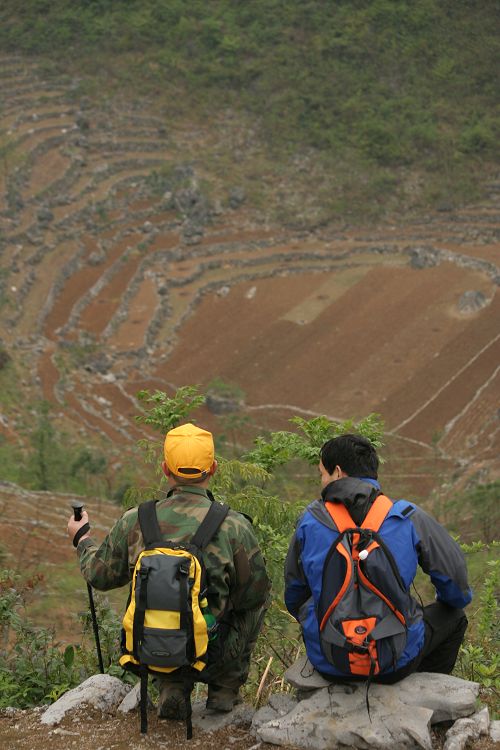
[[229, 654]]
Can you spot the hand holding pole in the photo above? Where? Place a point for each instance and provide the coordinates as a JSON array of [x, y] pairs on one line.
[[77, 506]]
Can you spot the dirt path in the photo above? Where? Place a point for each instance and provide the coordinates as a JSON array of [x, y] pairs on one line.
[[92, 730]]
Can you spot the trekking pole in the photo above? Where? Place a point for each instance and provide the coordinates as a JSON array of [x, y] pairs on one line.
[[77, 515]]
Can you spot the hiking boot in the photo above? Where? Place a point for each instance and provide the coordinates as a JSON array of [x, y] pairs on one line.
[[172, 703], [222, 699]]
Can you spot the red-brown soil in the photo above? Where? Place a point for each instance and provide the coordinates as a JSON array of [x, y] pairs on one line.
[[335, 321]]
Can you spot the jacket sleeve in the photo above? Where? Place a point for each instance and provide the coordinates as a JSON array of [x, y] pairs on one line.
[[441, 558], [106, 566], [297, 589]]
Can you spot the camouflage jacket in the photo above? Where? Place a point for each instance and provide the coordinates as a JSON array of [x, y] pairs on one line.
[[235, 566]]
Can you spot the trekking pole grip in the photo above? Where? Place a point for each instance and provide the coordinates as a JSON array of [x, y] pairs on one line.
[[77, 506]]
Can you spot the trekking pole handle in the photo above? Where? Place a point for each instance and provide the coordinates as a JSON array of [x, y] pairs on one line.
[[77, 506]]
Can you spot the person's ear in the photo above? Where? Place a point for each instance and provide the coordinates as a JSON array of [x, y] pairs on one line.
[[213, 468], [165, 469], [340, 473]]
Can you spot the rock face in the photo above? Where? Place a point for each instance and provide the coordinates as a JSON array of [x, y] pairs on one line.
[[331, 715]]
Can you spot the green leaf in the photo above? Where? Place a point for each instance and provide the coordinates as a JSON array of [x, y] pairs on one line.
[[69, 656]]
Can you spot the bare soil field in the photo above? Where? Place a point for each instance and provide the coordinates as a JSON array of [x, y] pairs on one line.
[[126, 265]]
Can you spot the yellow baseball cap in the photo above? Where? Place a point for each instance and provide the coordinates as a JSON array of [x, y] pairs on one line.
[[189, 451]]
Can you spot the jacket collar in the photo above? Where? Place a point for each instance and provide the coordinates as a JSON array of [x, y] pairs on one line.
[[357, 494], [185, 489]]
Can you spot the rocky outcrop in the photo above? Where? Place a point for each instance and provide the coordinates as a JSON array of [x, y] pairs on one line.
[[399, 716], [471, 302]]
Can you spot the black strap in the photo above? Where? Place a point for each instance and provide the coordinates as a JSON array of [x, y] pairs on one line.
[[151, 532], [140, 611], [210, 524], [148, 521], [188, 686], [183, 574], [144, 699], [368, 683], [245, 515], [81, 532]]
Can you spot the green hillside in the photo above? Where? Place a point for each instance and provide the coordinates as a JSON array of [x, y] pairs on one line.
[[372, 88]]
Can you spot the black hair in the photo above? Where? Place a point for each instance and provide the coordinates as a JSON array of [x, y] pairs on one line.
[[355, 455]]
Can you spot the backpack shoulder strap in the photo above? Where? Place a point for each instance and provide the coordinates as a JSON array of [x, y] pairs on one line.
[[210, 524], [373, 519], [377, 513], [148, 521], [340, 516]]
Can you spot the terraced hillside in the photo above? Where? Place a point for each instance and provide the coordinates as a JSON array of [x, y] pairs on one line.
[[125, 265]]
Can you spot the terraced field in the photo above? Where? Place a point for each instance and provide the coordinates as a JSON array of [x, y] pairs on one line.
[[124, 265]]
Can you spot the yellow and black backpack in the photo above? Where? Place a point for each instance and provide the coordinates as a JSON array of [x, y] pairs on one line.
[[164, 628]]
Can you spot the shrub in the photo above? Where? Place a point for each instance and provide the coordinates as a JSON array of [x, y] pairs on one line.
[[34, 669]]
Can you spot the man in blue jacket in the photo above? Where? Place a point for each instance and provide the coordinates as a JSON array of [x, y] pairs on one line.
[[410, 537]]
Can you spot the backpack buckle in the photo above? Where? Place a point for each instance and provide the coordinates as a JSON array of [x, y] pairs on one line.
[[184, 569], [366, 537], [359, 648]]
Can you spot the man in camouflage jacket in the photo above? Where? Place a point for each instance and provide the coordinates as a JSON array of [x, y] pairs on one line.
[[239, 584]]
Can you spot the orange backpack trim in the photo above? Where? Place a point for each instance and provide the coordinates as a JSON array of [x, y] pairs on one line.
[[373, 520], [343, 521], [343, 588]]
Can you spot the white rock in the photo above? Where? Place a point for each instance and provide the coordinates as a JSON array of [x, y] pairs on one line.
[[131, 700], [280, 704], [331, 715], [337, 716], [302, 675], [209, 721], [263, 716], [101, 691], [482, 719], [449, 697], [495, 730], [460, 733]]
